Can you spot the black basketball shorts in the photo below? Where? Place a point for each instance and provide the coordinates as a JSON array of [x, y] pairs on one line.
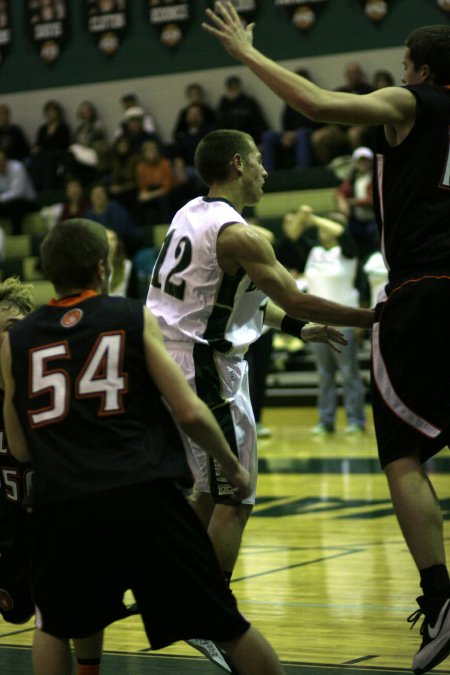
[[411, 369], [146, 538]]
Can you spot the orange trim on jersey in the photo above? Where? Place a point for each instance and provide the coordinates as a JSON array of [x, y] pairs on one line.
[[413, 281], [72, 299]]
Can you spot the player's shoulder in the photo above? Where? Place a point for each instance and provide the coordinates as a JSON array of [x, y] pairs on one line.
[[237, 238]]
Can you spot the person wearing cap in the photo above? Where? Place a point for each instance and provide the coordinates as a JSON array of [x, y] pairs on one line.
[[354, 198], [133, 128], [132, 110]]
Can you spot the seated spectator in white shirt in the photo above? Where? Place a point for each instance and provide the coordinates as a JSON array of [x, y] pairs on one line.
[[17, 194]]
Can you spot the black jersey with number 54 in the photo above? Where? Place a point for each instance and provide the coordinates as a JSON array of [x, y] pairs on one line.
[[93, 418]]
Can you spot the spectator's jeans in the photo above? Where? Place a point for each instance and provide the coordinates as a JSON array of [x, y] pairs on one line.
[[328, 363], [271, 141]]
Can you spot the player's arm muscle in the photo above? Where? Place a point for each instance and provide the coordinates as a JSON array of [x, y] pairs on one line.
[[390, 106], [241, 246]]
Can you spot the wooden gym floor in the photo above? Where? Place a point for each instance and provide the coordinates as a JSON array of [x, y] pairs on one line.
[[323, 571]]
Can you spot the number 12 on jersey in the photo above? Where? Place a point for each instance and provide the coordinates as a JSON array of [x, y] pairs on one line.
[[183, 258]]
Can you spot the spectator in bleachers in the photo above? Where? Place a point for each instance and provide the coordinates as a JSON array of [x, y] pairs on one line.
[[75, 203], [12, 138], [155, 179], [17, 193], [195, 127], [383, 78], [49, 152], [238, 110], [134, 128], [188, 182], [123, 280], [333, 140], [329, 273], [194, 93], [121, 181], [131, 101], [113, 216], [354, 198], [289, 147], [297, 240], [88, 158]]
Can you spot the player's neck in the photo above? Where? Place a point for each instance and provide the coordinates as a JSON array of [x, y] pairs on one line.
[[227, 192]]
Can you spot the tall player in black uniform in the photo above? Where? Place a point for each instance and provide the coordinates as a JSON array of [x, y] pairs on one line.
[[16, 605], [411, 362], [108, 513]]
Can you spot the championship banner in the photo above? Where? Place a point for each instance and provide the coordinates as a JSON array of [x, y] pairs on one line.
[[303, 12], [376, 10], [49, 26], [170, 17], [107, 22], [245, 8], [5, 28]]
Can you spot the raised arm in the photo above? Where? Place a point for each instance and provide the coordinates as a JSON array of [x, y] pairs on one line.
[[193, 416], [241, 246], [391, 106]]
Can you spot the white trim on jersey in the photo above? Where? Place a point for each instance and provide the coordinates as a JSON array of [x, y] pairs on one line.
[[390, 396], [379, 174]]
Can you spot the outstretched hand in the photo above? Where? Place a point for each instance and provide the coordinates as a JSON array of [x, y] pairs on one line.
[[228, 28], [314, 332]]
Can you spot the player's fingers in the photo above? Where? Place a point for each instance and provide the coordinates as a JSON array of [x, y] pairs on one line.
[[229, 10], [333, 334], [212, 30], [215, 19]]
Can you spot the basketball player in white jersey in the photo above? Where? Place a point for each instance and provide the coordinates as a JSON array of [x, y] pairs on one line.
[[209, 293]]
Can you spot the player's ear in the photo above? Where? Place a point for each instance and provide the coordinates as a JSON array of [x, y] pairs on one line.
[[425, 72], [237, 163], [102, 270]]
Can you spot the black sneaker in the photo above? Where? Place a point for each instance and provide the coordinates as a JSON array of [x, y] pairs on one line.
[[435, 645], [213, 652]]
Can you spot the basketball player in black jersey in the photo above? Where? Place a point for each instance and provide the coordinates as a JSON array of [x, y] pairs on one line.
[[16, 478], [411, 335], [84, 376], [16, 605]]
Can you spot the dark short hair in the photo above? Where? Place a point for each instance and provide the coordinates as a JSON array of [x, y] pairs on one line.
[[430, 45], [128, 98], [233, 81], [55, 105], [216, 150], [71, 252]]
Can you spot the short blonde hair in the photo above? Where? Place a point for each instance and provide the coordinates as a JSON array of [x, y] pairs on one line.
[[13, 293]]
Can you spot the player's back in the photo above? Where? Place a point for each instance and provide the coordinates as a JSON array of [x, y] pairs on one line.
[[92, 417], [412, 189], [193, 300]]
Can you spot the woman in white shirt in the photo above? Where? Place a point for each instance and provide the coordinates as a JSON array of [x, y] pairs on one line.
[[330, 273]]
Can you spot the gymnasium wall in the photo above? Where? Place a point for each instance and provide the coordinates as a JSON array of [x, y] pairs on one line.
[[158, 75]]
